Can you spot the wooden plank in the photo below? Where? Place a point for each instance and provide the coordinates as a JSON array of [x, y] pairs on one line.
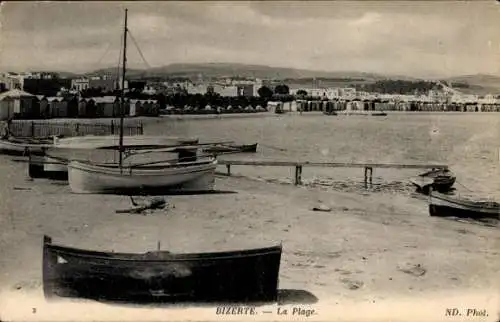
[[331, 164]]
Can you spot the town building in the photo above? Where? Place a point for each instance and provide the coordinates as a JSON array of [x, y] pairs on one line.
[[80, 84]]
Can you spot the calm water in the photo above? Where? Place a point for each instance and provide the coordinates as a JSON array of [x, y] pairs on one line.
[[467, 142]]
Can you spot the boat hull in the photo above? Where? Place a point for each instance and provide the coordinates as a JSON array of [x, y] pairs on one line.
[[247, 148], [439, 180], [445, 206], [183, 176], [235, 276], [19, 148]]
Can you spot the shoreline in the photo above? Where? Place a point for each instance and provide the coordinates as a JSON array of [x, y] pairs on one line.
[[180, 117]]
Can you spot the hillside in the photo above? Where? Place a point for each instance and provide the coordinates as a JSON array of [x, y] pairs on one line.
[[479, 84], [218, 70], [297, 78]]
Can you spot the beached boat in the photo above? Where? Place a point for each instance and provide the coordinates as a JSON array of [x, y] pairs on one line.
[[440, 180], [449, 206], [245, 148], [53, 163], [333, 113], [198, 175], [23, 146], [230, 276], [183, 175]]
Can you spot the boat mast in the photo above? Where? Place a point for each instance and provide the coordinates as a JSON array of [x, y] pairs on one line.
[[122, 104]]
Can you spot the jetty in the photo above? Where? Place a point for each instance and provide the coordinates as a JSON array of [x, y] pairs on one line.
[[368, 167]]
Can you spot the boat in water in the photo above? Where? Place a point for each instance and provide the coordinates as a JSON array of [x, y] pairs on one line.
[[450, 206], [378, 114], [441, 180], [231, 148], [248, 275]]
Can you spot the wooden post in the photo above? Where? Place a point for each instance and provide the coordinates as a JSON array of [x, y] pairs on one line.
[[32, 128], [298, 174], [368, 179], [112, 127], [142, 129], [228, 166]]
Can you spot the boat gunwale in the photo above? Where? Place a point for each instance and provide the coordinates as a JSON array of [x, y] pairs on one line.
[[115, 169], [474, 205], [169, 257]]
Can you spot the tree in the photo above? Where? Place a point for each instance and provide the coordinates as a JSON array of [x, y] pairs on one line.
[[301, 92], [265, 92], [282, 89]]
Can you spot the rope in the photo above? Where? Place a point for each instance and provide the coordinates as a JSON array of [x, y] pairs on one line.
[[464, 186], [105, 52], [139, 50], [119, 59]]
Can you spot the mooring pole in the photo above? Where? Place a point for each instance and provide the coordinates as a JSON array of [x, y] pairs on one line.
[[368, 178], [298, 174]]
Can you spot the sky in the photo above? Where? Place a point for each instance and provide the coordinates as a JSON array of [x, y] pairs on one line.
[[419, 39]]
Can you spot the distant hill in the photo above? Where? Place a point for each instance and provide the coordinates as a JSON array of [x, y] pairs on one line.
[[479, 84], [218, 70]]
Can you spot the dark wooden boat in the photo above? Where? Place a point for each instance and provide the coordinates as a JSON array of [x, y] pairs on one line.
[[448, 206], [378, 114], [441, 180], [330, 113], [245, 148], [233, 276]]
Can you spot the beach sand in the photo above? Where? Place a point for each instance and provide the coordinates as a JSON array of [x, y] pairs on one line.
[[358, 260]]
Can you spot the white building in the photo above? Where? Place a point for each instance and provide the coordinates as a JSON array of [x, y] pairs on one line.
[[80, 84]]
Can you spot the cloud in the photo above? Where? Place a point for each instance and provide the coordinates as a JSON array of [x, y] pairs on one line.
[[388, 37]]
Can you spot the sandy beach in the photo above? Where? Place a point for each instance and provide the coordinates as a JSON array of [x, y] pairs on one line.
[[356, 253], [377, 255]]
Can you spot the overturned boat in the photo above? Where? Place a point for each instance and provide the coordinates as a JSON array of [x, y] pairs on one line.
[[160, 276], [449, 206], [441, 180]]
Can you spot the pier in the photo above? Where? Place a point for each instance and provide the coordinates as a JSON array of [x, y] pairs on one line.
[[368, 167]]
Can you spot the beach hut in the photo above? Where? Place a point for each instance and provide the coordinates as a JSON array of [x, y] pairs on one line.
[[58, 107], [17, 104], [105, 106], [44, 107]]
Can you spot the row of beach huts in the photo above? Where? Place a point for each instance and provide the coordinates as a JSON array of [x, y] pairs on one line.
[[378, 105], [19, 104]]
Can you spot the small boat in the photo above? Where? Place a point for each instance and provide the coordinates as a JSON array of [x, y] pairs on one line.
[[440, 180], [53, 162], [198, 175], [23, 146], [378, 114], [245, 148], [249, 275], [330, 113], [448, 206]]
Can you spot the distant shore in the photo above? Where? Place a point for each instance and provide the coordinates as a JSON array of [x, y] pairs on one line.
[[138, 119]]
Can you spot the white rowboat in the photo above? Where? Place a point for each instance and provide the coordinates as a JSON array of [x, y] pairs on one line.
[[90, 178]]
